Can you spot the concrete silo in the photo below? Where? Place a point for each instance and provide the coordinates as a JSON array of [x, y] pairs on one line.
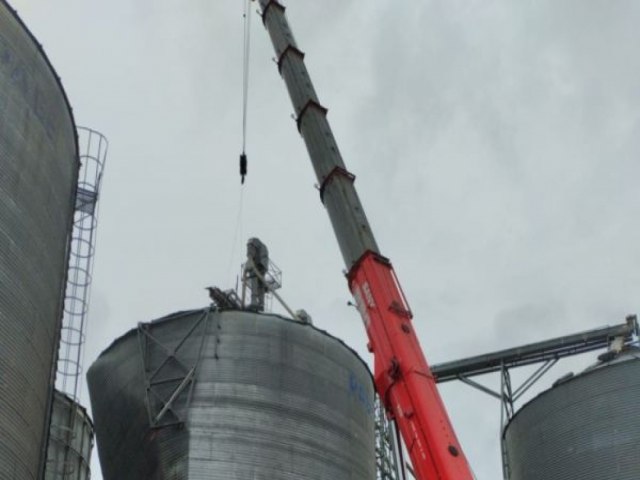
[[586, 427], [38, 173], [209, 394]]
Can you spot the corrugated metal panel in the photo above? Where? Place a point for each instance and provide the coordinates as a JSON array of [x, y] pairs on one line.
[[587, 428], [38, 169], [70, 441], [272, 398]]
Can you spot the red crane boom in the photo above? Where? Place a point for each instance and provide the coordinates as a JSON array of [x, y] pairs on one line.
[[401, 373]]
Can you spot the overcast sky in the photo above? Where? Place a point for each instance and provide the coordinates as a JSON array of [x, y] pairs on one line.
[[495, 145]]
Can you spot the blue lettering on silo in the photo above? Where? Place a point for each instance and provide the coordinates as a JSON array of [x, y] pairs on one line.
[[358, 391]]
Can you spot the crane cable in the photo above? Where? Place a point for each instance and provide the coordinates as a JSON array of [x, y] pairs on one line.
[[243, 156], [245, 86]]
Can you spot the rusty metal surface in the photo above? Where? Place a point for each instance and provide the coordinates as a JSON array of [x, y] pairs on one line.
[[38, 171], [269, 398]]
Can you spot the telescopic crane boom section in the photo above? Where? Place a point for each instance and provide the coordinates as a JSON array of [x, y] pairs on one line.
[[402, 376]]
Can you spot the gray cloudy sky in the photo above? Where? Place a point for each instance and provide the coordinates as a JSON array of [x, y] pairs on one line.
[[496, 145]]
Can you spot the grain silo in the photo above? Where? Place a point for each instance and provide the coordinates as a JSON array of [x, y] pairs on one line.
[[586, 427], [70, 440], [38, 171], [232, 394]]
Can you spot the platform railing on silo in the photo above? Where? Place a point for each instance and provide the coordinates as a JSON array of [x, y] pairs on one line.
[[62, 458]]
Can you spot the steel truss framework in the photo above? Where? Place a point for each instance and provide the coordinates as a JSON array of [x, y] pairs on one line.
[[169, 377]]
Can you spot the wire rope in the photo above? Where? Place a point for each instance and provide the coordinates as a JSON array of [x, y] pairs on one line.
[[237, 233], [245, 86]]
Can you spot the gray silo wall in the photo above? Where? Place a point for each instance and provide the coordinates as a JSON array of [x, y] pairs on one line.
[[272, 398], [70, 441], [587, 428], [38, 173]]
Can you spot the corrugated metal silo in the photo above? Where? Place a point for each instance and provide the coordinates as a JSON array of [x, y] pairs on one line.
[[218, 395], [70, 441], [38, 171], [584, 428]]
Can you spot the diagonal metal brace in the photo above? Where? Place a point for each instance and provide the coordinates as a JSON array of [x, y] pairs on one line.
[[174, 395]]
